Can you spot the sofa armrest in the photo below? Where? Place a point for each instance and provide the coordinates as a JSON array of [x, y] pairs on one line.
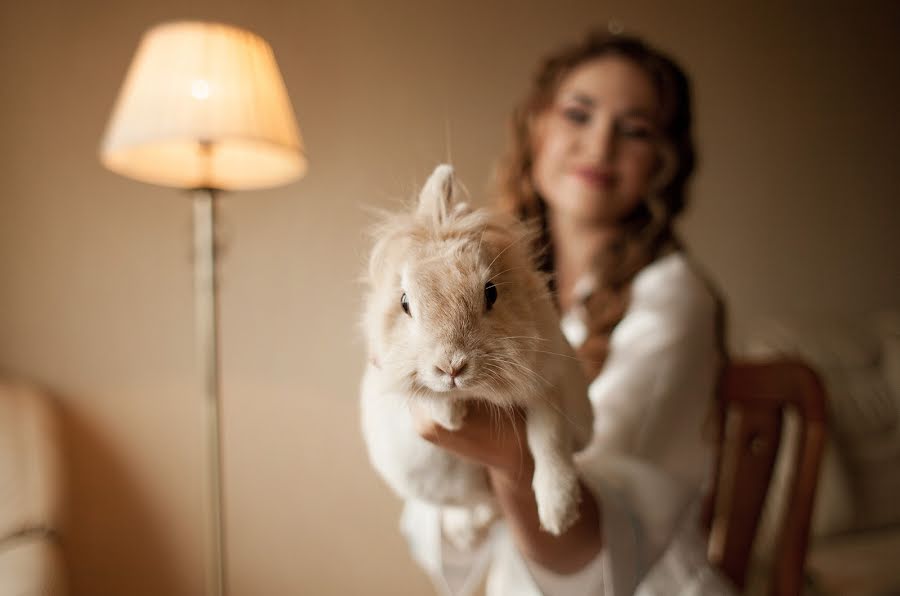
[[30, 466], [31, 564]]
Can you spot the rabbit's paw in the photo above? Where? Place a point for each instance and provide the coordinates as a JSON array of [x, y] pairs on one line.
[[466, 527], [449, 413], [558, 494]]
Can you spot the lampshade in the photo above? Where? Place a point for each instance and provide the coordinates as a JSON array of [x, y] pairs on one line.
[[204, 106]]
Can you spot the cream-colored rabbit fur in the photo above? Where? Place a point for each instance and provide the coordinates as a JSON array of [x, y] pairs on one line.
[[480, 325]]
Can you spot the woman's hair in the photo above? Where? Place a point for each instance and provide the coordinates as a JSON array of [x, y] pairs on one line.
[[647, 230]]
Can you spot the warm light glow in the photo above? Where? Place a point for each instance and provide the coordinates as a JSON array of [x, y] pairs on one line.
[[200, 89], [233, 129]]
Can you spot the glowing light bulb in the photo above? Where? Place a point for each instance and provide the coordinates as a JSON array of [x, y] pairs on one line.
[[200, 89]]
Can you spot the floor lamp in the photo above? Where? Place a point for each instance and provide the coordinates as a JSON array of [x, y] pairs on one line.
[[204, 108]]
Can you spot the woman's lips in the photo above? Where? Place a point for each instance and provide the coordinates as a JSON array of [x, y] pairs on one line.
[[594, 177]]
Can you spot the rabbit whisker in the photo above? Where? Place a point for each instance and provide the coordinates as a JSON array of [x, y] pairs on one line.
[[526, 369], [494, 276], [508, 246], [565, 356], [541, 396]]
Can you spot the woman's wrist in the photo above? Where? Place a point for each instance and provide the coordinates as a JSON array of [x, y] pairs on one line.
[[516, 485], [513, 475], [562, 554]]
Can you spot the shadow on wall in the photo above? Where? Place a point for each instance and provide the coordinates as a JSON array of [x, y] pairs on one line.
[[104, 512]]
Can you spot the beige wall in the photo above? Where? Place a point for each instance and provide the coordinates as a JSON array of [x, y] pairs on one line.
[[795, 208]]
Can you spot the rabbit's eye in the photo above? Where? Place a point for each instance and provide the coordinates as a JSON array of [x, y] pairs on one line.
[[404, 302], [490, 294]]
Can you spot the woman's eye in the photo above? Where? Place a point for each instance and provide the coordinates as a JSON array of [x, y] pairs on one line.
[[635, 131], [576, 115], [490, 294], [404, 303]]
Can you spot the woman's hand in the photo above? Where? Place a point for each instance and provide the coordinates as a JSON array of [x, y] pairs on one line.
[[489, 436], [497, 440]]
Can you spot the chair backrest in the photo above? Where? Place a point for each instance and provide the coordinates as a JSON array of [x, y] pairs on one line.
[[755, 396]]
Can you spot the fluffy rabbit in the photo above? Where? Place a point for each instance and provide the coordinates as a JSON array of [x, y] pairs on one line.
[[457, 310]]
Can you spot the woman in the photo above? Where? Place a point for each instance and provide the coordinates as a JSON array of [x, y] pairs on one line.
[[602, 153]]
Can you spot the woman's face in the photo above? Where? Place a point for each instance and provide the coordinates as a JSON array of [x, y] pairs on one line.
[[595, 145]]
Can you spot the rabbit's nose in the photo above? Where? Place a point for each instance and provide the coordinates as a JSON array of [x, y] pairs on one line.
[[451, 370]]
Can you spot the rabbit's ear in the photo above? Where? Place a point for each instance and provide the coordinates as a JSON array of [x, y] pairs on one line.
[[436, 199]]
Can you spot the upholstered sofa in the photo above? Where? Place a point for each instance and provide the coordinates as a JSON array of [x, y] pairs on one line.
[[855, 548], [31, 563]]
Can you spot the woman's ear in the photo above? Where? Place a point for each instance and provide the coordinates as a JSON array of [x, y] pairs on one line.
[[535, 124], [666, 167]]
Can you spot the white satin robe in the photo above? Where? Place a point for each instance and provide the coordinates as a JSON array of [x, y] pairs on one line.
[[647, 463]]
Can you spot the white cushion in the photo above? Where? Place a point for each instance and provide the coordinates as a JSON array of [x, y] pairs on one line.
[[859, 362], [848, 357]]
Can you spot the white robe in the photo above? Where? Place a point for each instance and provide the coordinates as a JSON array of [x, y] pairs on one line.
[[646, 465]]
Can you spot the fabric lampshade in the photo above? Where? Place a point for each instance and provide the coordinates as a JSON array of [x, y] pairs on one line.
[[204, 106]]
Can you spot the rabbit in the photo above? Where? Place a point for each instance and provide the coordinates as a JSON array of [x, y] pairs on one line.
[[456, 309]]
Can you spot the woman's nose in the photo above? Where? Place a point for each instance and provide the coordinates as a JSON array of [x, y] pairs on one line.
[[601, 142]]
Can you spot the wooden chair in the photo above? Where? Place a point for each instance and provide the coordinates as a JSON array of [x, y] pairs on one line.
[[754, 398]]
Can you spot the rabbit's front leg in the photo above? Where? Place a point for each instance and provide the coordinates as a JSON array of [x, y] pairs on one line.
[[449, 413], [555, 482]]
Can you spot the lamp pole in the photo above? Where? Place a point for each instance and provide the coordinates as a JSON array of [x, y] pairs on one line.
[[206, 320]]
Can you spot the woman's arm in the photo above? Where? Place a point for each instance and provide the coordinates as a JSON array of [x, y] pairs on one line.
[[498, 442]]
